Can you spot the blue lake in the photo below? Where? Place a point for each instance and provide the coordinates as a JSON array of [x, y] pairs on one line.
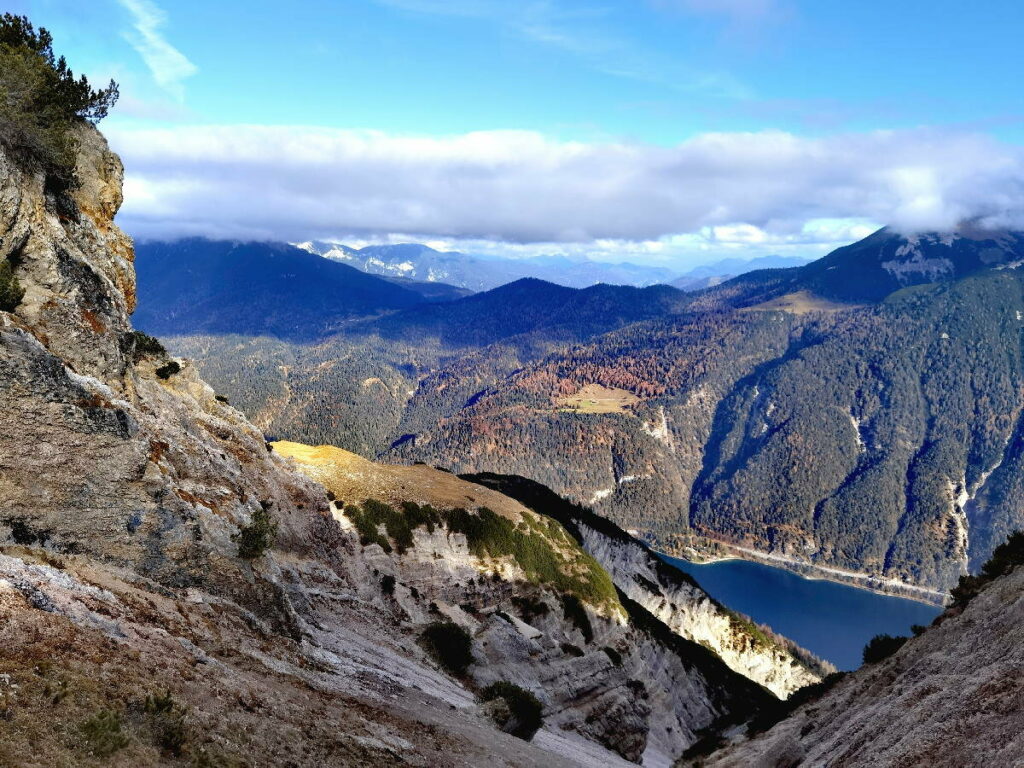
[[832, 620]]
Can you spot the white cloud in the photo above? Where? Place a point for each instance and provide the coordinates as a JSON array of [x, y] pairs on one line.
[[167, 64], [727, 190]]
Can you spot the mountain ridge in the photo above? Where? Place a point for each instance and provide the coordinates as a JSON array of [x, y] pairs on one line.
[[482, 273]]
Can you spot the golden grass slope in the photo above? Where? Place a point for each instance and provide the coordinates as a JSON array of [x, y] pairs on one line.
[[544, 551], [351, 478], [800, 303]]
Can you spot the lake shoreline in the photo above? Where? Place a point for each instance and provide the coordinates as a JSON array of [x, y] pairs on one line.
[[813, 572], [834, 619]]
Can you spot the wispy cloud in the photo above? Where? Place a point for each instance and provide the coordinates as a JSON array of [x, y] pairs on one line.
[[168, 66], [520, 186], [581, 31]]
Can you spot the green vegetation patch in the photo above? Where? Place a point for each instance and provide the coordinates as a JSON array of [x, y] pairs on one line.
[[399, 524], [1005, 558], [102, 735], [168, 370], [143, 345], [540, 546], [257, 537], [166, 718], [41, 102], [449, 644], [11, 292], [743, 625], [882, 647], [522, 713], [566, 568]]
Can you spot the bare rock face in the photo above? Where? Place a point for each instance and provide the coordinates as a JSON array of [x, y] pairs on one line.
[[954, 696], [101, 456], [689, 611], [72, 260]]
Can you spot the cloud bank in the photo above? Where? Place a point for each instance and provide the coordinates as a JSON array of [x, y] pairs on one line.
[[295, 183]]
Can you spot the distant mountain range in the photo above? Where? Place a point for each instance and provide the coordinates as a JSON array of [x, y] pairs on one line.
[[206, 286], [716, 273], [859, 413], [477, 273]]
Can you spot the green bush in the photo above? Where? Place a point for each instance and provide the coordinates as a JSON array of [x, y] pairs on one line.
[[572, 650], [1005, 558], [102, 735], [11, 292], [167, 721], [882, 647], [522, 715], [530, 608], [613, 655], [257, 537], [449, 644], [168, 370], [41, 101], [144, 345]]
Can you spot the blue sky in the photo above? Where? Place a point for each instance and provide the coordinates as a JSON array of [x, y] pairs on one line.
[[684, 127]]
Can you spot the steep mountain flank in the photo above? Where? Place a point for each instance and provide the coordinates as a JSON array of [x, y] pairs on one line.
[[950, 697], [174, 592], [599, 668], [672, 596]]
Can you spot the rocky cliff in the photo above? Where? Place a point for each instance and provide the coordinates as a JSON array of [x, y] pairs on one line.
[[672, 596], [173, 591]]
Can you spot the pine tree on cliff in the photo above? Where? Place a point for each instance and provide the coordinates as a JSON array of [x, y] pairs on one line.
[[41, 101]]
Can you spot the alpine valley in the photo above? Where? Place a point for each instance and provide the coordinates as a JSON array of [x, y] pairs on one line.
[[857, 418], [266, 505]]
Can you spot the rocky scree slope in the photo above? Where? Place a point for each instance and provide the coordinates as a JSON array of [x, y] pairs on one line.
[[172, 592]]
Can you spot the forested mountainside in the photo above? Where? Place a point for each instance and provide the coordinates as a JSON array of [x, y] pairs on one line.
[[177, 592], [211, 286], [423, 263], [881, 439], [786, 414], [352, 389]]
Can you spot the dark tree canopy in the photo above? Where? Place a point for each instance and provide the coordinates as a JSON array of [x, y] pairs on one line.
[[41, 101]]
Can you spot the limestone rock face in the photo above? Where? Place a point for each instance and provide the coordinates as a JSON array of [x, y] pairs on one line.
[[644, 694], [72, 260], [690, 612]]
